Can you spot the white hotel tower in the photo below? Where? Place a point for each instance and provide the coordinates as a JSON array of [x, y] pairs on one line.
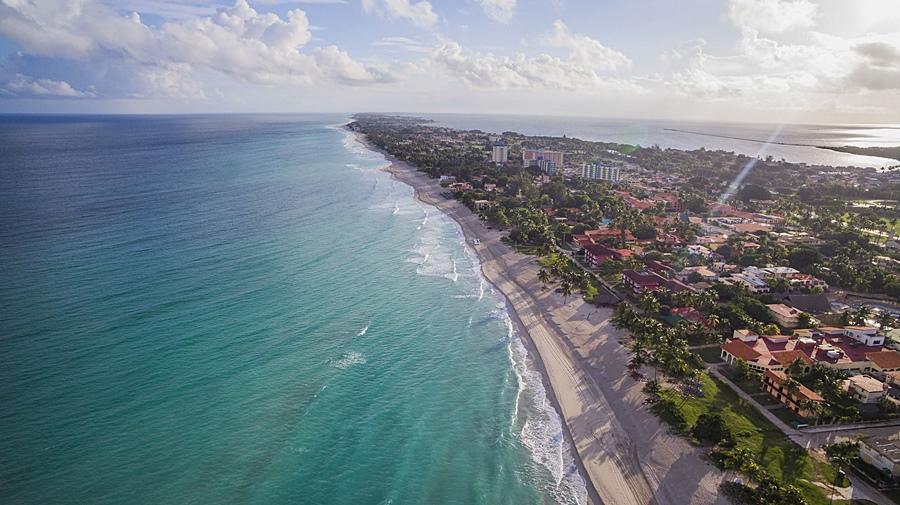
[[600, 172]]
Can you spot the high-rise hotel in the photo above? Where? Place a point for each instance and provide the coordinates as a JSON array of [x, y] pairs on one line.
[[599, 172]]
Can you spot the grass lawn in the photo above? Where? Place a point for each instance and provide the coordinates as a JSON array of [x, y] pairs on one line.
[[711, 354], [781, 458]]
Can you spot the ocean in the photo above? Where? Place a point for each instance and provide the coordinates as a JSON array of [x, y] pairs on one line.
[[247, 310], [757, 140]]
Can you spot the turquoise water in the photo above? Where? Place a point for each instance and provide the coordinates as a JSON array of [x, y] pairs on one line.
[[241, 309]]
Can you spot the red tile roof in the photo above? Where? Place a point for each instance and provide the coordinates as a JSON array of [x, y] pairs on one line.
[[740, 350], [885, 359]]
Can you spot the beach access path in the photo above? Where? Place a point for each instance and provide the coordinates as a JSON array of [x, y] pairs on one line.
[[627, 455]]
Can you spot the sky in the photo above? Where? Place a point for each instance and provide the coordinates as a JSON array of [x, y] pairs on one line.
[[774, 61]]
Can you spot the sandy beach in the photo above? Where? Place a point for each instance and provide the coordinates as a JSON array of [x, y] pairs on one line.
[[626, 454]]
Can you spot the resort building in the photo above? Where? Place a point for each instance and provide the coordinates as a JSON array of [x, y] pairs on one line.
[[799, 399], [785, 316], [770, 352], [644, 281], [597, 254], [500, 152], [532, 157], [882, 453], [600, 172], [828, 346], [865, 389]]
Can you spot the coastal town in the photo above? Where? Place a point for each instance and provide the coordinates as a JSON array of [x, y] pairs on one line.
[[753, 302]]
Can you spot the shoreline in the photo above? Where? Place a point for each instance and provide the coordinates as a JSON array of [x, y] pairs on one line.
[[624, 454]]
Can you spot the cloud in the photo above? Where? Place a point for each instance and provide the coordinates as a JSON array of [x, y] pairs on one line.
[[585, 66], [879, 68], [239, 42], [403, 43], [772, 15], [419, 13], [29, 87], [585, 51], [499, 10]]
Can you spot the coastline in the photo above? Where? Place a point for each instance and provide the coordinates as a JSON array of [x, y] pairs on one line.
[[621, 449]]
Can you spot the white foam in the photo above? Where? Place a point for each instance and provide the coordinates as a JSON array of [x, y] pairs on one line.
[[362, 331], [541, 430], [349, 359]]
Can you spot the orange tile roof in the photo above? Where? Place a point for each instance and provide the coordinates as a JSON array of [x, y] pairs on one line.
[[788, 357], [740, 350], [885, 359]]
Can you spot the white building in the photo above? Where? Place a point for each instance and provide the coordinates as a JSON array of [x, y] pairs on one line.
[[867, 335], [599, 172], [883, 453], [754, 284], [865, 389], [500, 152]]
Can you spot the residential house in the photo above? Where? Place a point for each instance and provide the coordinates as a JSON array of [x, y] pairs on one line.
[[754, 284], [868, 335], [865, 388], [705, 274], [785, 316]]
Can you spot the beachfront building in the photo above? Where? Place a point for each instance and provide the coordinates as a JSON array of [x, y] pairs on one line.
[[785, 316], [643, 281], [597, 254], [882, 453], [598, 171], [828, 346], [500, 152], [770, 352], [798, 398], [865, 388]]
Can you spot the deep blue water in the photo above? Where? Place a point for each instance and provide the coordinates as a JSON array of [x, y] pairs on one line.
[[245, 309]]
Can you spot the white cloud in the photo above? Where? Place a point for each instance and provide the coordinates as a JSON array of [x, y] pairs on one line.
[[403, 43], [29, 87], [772, 15], [419, 12], [585, 65], [499, 10], [585, 51], [240, 42]]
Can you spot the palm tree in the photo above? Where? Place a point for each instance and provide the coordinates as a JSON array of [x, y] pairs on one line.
[[566, 288], [861, 315], [544, 277], [795, 369], [815, 409], [639, 355], [885, 320], [791, 385], [649, 304]]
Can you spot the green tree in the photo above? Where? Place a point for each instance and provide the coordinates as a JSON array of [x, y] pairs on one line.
[[710, 427]]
